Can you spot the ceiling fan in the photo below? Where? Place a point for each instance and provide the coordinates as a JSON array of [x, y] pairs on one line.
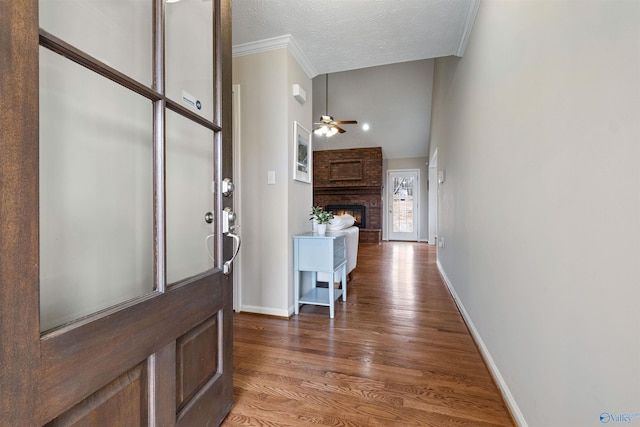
[[327, 126]]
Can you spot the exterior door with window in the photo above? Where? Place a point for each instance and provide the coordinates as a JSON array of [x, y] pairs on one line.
[[116, 127], [402, 200]]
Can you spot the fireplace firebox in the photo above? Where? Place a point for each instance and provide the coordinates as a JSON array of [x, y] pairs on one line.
[[358, 212]]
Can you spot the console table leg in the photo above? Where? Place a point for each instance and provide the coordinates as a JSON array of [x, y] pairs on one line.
[[332, 301], [296, 291], [344, 282]]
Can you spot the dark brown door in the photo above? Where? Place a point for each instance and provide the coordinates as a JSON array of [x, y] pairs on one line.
[[115, 137]]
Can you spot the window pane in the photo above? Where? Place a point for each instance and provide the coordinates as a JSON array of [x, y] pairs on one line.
[[402, 204], [189, 57], [96, 192], [190, 242], [117, 32]]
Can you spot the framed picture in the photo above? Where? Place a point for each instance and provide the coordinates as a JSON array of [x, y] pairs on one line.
[[302, 154]]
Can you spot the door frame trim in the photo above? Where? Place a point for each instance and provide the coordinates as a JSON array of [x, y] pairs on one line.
[[433, 198], [237, 199], [416, 217]]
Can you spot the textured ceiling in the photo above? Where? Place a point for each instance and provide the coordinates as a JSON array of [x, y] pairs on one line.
[[339, 35], [378, 54]]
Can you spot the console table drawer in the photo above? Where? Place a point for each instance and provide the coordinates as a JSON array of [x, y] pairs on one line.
[[319, 253]]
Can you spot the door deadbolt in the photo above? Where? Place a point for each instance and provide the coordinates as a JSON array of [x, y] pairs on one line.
[[228, 217], [227, 187], [208, 217]]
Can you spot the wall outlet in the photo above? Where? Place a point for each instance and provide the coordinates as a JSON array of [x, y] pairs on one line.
[[271, 177], [441, 242]]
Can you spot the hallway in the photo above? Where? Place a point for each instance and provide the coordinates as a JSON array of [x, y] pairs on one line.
[[397, 354]]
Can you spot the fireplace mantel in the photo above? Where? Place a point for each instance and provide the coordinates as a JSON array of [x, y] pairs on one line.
[[347, 190]]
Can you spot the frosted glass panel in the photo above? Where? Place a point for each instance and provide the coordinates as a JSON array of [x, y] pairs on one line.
[[189, 57], [190, 243], [96, 192], [117, 32]]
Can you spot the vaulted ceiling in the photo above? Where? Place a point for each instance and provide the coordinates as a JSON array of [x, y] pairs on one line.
[[339, 36]]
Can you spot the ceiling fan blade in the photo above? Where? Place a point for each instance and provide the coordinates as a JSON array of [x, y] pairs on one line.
[[340, 129], [346, 122]]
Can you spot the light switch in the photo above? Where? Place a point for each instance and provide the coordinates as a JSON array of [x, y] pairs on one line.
[[271, 177]]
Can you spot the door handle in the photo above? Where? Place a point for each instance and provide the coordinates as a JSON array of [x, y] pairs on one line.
[[228, 217], [226, 268]]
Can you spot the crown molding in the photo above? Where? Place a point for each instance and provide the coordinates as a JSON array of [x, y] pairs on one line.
[[468, 26], [287, 41]]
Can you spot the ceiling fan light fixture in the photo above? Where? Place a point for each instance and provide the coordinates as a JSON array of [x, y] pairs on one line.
[[326, 130], [327, 125]]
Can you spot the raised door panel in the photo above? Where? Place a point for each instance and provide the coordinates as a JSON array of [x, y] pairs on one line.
[[123, 403], [204, 368], [197, 358]]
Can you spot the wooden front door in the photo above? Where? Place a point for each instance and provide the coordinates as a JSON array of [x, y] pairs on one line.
[[115, 135]]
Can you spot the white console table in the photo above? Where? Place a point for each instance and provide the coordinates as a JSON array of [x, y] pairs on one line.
[[320, 253]]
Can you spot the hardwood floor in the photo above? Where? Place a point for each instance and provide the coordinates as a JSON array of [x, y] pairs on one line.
[[397, 354]]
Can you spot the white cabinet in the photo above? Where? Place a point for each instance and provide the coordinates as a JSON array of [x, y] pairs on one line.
[[325, 253]]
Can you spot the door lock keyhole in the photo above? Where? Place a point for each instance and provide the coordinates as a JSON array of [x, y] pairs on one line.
[[208, 217]]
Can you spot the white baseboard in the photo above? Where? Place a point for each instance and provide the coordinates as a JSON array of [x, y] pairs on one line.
[[265, 310], [493, 369]]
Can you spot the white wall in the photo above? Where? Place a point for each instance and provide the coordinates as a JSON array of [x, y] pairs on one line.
[[271, 214], [300, 193], [537, 130], [419, 163], [395, 99]]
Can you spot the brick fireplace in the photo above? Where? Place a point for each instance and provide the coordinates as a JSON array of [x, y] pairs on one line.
[[351, 177]]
